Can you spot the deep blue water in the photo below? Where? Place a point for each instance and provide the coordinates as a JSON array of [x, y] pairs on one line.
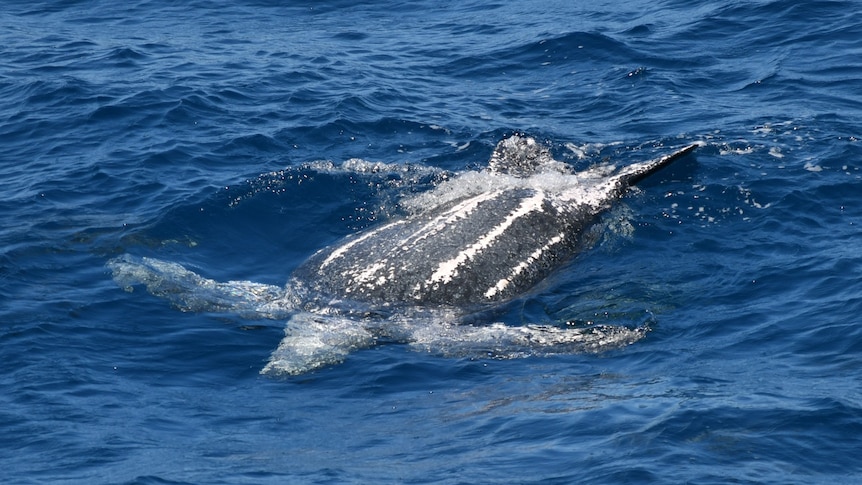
[[214, 135]]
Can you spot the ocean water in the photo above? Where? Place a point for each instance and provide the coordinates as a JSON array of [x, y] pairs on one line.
[[238, 138]]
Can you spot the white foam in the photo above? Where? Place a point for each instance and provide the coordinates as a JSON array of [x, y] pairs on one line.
[[586, 150], [362, 166], [588, 186], [812, 167]]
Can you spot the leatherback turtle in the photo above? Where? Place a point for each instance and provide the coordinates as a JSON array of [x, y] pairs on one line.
[[472, 243]]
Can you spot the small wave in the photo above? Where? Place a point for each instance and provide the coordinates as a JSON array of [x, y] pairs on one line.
[[562, 50], [383, 180], [366, 167]]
